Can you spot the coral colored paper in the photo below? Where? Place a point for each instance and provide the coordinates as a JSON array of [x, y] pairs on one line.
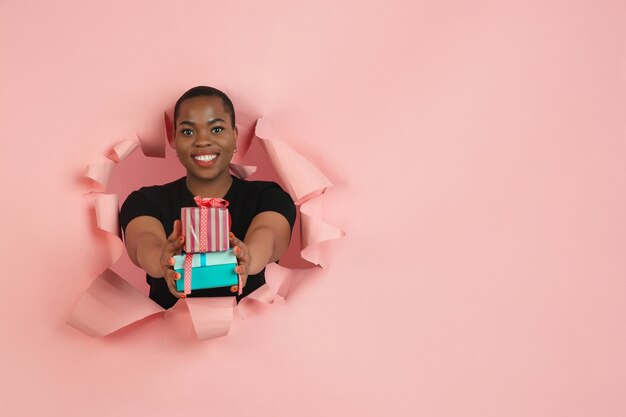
[[304, 182], [100, 171], [169, 128], [264, 295], [152, 138], [107, 214], [212, 316], [109, 304], [301, 178], [315, 231], [280, 280], [498, 128], [121, 150], [242, 171]]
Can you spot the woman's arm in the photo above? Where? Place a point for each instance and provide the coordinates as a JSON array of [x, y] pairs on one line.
[[150, 250], [266, 240]]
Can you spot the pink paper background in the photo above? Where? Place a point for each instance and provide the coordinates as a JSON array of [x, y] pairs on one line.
[[478, 154]]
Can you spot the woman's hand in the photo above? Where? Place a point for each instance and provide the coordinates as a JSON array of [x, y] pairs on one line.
[[242, 252], [172, 247]]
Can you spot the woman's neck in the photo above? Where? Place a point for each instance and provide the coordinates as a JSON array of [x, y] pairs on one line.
[[217, 187]]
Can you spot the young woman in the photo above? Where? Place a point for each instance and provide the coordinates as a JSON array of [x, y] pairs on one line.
[[262, 213]]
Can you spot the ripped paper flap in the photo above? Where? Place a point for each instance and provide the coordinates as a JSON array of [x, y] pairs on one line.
[[121, 150], [212, 316], [109, 304], [301, 178]]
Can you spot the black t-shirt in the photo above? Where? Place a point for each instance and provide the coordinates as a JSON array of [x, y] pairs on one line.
[[246, 200]]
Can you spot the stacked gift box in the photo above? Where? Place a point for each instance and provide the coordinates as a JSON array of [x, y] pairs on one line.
[[207, 261]]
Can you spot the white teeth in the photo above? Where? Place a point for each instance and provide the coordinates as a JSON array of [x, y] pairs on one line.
[[205, 158]]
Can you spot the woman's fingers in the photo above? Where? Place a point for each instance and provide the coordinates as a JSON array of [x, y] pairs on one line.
[[240, 249], [175, 231], [242, 271], [171, 277], [171, 248], [242, 253], [176, 246], [176, 240], [167, 257], [178, 228], [233, 240]]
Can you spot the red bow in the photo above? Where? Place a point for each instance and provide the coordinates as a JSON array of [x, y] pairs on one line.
[[210, 202]]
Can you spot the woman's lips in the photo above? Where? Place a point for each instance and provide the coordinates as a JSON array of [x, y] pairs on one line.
[[206, 160]]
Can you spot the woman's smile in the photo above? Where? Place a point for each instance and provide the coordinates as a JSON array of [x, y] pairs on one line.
[[205, 160]]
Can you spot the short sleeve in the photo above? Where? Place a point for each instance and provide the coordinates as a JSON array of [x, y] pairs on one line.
[[136, 204], [274, 198]]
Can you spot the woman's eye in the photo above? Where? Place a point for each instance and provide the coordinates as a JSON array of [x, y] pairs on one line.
[[217, 129], [187, 132]]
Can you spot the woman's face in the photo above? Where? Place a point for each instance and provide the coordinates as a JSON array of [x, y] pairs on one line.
[[204, 137]]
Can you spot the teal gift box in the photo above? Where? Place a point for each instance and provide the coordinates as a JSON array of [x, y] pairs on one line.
[[208, 270]]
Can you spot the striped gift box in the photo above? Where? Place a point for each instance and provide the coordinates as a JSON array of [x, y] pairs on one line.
[[206, 227]]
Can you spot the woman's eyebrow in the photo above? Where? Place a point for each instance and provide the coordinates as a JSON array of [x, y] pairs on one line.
[[209, 122]]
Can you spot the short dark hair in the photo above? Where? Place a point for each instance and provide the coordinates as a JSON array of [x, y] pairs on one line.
[[202, 90]]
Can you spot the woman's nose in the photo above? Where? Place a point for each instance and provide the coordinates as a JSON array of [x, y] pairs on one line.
[[203, 138]]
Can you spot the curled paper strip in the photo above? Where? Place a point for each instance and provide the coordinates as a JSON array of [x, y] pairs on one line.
[[111, 303], [100, 171], [169, 128], [263, 295], [301, 178], [124, 148], [152, 138], [280, 280], [106, 213], [242, 171], [313, 231], [303, 182], [211, 316], [107, 220]]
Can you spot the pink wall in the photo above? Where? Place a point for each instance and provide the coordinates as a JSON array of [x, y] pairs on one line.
[[478, 150]]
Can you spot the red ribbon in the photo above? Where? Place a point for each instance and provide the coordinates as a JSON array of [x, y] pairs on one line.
[[210, 202], [188, 265]]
